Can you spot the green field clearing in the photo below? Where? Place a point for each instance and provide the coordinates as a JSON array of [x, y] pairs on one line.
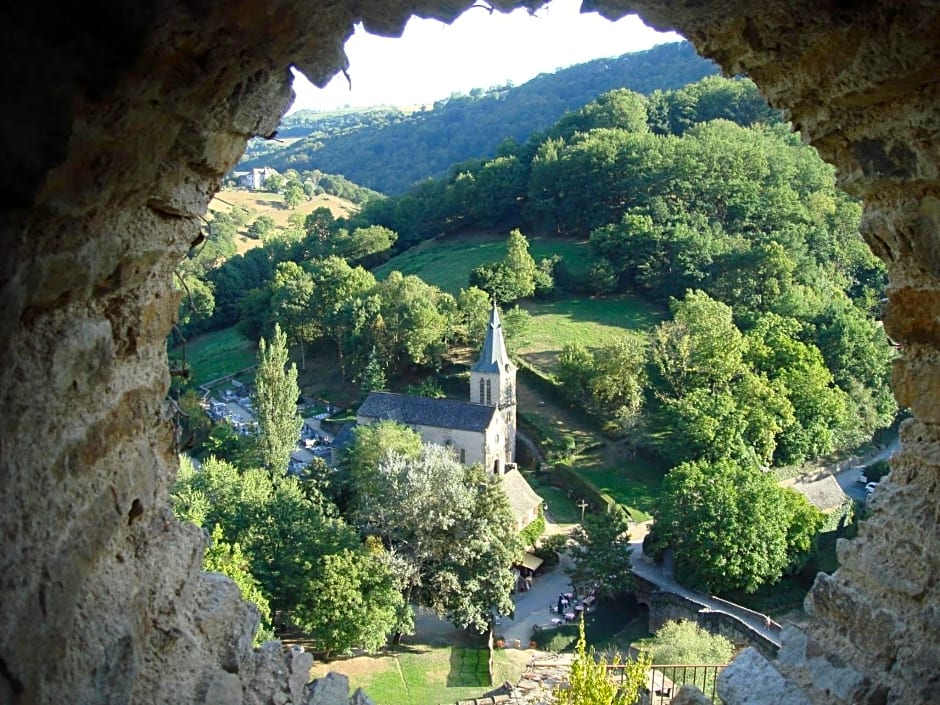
[[447, 262], [216, 354], [258, 203], [592, 322], [633, 482], [424, 675]]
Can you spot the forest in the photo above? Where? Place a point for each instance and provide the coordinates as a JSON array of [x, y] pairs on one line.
[[425, 141], [698, 200]]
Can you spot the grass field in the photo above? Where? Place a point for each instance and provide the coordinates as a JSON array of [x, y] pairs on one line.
[[592, 322], [216, 354], [425, 675], [630, 479], [447, 262]]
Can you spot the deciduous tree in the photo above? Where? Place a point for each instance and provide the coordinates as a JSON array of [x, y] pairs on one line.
[[275, 404], [730, 526], [451, 530], [603, 556]]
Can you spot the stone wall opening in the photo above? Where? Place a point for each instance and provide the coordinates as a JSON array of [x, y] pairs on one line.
[[120, 120]]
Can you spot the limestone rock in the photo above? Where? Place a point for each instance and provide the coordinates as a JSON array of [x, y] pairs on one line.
[[690, 695], [332, 689], [117, 140], [225, 689], [751, 680]]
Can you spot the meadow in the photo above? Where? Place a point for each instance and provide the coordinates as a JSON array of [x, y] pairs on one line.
[[216, 354], [426, 675], [591, 321], [446, 262], [258, 203]]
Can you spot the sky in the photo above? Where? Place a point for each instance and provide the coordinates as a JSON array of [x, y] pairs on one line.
[[479, 49]]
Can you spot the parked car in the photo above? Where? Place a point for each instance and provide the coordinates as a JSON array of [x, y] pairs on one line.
[[870, 487], [863, 479]]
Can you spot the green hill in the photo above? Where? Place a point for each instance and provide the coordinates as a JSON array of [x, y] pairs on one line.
[[362, 145]]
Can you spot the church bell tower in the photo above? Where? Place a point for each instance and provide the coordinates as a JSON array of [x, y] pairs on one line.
[[493, 383]]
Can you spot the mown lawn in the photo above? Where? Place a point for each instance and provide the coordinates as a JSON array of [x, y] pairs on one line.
[[216, 354], [423, 675], [447, 262], [632, 481], [592, 322]]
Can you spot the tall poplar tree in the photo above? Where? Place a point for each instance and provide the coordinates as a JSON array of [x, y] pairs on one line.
[[275, 404]]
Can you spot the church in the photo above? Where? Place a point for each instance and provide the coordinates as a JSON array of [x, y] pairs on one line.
[[480, 431]]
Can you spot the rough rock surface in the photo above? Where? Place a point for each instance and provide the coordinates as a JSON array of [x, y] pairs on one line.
[[690, 695], [121, 117]]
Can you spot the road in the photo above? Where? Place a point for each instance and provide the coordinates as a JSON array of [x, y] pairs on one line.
[[848, 476]]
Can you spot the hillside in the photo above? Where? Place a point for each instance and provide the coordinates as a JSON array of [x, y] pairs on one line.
[[426, 143], [255, 204]]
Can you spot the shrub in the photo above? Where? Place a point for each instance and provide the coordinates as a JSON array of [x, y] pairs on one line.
[[531, 533]]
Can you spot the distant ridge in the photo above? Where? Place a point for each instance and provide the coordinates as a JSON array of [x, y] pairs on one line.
[[388, 149]]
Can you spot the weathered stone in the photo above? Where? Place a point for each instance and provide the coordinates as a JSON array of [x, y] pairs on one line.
[[332, 689], [115, 142], [753, 680], [360, 698], [690, 695], [224, 689]]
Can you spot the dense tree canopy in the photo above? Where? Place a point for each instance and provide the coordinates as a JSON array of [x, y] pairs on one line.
[[362, 144], [603, 556], [731, 526], [450, 529]]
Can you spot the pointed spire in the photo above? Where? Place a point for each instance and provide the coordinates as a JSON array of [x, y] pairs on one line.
[[493, 357]]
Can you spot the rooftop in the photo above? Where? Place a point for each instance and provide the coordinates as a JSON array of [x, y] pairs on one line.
[[421, 411]]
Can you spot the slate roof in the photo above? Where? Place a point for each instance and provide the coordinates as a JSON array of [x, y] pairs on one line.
[[493, 357], [420, 411], [344, 437], [522, 497], [825, 493]]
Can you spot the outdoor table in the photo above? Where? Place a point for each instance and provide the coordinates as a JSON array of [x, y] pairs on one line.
[[569, 616], [556, 621], [579, 608], [569, 595]]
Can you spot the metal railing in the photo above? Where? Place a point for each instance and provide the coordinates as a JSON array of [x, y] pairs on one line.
[[664, 680]]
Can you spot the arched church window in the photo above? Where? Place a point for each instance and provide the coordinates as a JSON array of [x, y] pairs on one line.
[[489, 392]]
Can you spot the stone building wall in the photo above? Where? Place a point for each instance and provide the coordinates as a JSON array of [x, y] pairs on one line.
[[119, 120]]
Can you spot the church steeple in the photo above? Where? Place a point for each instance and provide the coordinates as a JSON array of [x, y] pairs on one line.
[[493, 358], [493, 383]]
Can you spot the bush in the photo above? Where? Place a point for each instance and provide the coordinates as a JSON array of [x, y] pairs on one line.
[[686, 642], [550, 549], [531, 533], [569, 479]]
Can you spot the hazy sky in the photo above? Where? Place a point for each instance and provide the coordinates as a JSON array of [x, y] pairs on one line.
[[431, 59]]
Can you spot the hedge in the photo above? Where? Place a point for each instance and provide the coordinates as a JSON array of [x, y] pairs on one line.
[[569, 479]]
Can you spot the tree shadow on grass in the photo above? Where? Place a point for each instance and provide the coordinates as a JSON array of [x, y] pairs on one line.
[[469, 668]]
